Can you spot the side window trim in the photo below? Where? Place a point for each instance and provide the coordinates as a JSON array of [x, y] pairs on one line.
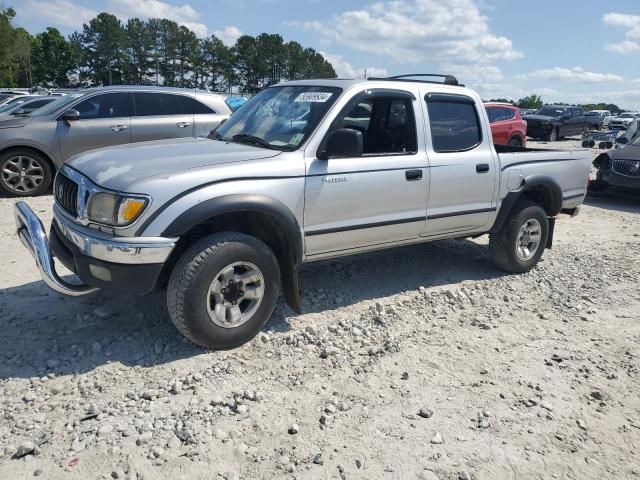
[[454, 98], [97, 94], [374, 93]]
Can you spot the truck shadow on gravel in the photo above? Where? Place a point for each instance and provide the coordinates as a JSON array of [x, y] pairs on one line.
[[44, 333], [625, 202]]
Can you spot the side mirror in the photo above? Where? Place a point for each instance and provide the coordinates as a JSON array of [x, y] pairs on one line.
[[345, 142], [70, 115], [622, 140]]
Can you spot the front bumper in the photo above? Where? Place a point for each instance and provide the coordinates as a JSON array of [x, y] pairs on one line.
[[613, 179], [125, 264], [538, 130]]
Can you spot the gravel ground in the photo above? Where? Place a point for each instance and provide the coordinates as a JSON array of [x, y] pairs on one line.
[[418, 362]]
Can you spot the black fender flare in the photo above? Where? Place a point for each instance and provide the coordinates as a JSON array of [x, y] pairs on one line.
[[282, 217], [552, 195]]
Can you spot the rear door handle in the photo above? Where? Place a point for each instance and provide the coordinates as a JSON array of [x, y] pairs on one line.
[[482, 167], [413, 175], [117, 128], [183, 124]]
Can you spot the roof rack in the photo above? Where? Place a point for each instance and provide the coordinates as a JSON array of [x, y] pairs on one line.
[[447, 79]]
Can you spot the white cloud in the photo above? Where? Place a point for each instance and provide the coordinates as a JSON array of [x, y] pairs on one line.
[[228, 35], [181, 14], [631, 23], [62, 13], [575, 74], [623, 98], [345, 70], [411, 31], [625, 47]]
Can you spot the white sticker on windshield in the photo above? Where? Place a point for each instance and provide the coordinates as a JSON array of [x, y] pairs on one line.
[[315, 97]]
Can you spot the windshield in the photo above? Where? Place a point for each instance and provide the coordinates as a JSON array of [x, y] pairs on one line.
[[55, 105], [279, 117], [550, 112], [10, 106], [633, 133]]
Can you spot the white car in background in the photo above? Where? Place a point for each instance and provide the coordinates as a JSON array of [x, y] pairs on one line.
[[604, 114], [622, 121]]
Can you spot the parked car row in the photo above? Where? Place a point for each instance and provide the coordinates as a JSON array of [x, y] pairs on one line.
[[34, 143]]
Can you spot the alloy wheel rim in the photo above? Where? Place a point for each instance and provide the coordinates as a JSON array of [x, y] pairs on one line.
[[22, 174], [235, 294], [528, 240]]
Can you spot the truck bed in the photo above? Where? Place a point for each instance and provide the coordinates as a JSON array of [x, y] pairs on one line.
[[569, 168]]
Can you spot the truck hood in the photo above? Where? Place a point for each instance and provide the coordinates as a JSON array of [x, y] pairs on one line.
[[117, 168], [541, 118]]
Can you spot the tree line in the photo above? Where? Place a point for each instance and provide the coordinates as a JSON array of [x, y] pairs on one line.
[[149, 52]]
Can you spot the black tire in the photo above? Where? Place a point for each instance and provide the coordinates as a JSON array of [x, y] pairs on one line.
[[503, 244], [193, 274], [40, 167], [515, 142], [552, 136]]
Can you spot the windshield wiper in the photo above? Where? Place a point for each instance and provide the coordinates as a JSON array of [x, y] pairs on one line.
[[253, 140]]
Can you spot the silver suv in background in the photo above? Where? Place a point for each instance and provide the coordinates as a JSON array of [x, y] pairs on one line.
[[33, 146]]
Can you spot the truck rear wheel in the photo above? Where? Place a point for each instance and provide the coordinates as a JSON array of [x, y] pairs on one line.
[[519, 244], [223, 290]]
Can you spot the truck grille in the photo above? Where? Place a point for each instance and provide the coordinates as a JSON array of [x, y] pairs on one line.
[[66, 193], [628, 168]]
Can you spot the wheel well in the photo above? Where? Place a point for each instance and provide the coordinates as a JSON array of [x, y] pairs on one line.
[[31, 149], [540, 196], [261, 225]]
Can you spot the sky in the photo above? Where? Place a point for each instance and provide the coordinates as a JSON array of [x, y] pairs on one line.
[[575, 51]]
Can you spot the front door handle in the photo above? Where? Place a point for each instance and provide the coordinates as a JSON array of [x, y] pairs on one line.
[[413, 175], [118, 128], [482, 167], [183, 124]]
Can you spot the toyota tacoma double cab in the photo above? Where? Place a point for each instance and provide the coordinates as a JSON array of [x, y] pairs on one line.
[[303, 171]]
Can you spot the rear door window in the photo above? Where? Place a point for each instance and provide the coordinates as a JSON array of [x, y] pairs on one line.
[[509, 114], [106, 105], [192, 106], [454, 123], [149, 104]]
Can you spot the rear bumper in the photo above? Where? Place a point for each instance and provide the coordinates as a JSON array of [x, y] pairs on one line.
[[119, 264]]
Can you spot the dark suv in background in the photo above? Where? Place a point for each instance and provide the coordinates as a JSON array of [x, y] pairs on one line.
[[33, 146], [552, 122]]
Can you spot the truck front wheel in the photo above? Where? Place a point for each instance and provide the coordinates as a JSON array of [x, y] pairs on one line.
[[519, 244], [223, 290]]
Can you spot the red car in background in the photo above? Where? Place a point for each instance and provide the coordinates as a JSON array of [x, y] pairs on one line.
[[507, 125]]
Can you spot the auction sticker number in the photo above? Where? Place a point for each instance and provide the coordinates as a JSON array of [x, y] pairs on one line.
[[314, 97]]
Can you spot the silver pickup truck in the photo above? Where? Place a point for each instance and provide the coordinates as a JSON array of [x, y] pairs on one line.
[[305, 170]]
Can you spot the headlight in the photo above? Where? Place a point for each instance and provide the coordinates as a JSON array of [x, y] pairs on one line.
[[116, 210]]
